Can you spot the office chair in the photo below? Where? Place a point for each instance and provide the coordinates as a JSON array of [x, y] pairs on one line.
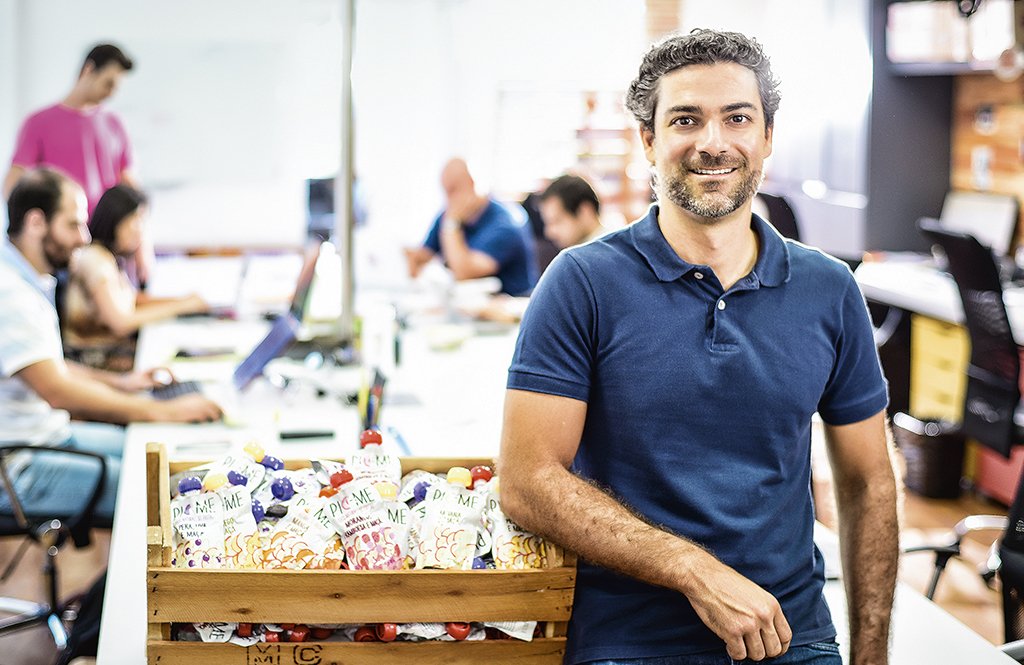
[[50, 531], [991, 412], [781, 215]]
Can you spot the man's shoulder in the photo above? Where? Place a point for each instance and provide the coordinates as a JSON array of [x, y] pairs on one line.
[[817, 262], [51, 113]]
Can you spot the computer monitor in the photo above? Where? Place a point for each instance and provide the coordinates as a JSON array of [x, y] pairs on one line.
[[991, 218], [282, 335]]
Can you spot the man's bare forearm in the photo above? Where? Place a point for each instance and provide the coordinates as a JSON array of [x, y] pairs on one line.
[[577, 515], [869, 544]]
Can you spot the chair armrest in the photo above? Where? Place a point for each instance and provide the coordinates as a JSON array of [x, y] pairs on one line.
[[81, 522]]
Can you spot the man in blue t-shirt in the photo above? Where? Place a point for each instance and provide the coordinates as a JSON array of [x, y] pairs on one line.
[[476, 236], [658, 418]]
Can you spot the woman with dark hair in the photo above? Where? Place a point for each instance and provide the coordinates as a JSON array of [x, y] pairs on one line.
[[103, 310]]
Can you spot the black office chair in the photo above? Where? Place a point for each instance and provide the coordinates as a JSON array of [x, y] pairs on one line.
[[781, 215], [992, 415], [50, 531]]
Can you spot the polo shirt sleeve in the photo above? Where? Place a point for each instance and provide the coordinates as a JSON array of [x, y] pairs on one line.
[[501, 242], [856, 389], [555, 350], [27, 147], [433, 240], [27, 336]]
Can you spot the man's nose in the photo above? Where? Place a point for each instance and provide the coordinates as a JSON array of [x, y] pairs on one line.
[[711, 139]]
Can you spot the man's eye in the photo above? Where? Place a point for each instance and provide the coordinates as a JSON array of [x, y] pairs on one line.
[[739, 119], [682, 121]]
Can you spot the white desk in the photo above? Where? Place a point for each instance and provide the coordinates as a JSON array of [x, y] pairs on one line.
[[918, 287]]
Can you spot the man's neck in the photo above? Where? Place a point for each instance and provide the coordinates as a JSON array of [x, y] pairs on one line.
[[78, 100], [36, 259], [729, 246]]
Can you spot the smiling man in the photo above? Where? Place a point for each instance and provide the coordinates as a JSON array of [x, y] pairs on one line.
[[658, 417]]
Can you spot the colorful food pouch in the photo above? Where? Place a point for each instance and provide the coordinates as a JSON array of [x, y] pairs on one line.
[[360, 516], [242, 548], [447, 535], [198, 522], [512, 547]]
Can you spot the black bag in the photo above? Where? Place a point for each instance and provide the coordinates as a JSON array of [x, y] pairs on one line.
[[85, 631]]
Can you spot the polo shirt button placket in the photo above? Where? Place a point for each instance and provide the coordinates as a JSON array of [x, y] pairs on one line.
[[698, 275], [721, 305]]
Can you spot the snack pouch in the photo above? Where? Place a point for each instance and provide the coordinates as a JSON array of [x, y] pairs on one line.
[[360, 516], [372, 463], [288, 546], [520, 630], [304, 485], [414, 478], [244, 464], [242, 548], [328, 552], [198, 522], [447, 535], [512, 547]]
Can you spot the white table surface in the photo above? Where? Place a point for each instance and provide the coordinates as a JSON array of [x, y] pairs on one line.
[[920, 288]]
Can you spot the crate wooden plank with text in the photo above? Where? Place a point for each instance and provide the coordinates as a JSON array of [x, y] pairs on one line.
[[347, 597]]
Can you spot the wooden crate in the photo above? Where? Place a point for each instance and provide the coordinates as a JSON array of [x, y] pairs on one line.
[[346, 597]]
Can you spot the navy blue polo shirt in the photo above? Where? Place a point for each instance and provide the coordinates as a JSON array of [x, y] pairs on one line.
[[699, 415], [497, 234]]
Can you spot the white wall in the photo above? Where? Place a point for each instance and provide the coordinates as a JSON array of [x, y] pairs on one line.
[[233, 103]]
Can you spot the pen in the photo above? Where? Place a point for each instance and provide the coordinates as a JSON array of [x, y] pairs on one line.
[[307, 434]]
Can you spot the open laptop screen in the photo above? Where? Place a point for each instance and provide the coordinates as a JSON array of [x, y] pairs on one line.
[[281, 336]]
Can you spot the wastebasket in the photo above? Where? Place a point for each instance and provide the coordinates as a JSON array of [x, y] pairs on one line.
[[934, 453]]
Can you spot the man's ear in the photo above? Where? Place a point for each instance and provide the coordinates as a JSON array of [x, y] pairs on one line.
[[647, 139], [35, 223]]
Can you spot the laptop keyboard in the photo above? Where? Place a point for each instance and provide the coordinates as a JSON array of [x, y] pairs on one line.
[[177, 389]]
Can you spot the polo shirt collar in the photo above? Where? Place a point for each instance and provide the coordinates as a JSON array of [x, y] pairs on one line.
[[13, 257], [770, 269]]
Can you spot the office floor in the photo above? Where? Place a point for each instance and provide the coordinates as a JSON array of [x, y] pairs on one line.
[[961, 591]]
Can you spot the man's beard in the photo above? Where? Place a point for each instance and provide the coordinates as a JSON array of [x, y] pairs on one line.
[[56, 255], [709, 205]]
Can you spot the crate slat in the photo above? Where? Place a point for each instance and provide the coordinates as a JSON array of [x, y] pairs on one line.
[[537, 652], [310, 596]]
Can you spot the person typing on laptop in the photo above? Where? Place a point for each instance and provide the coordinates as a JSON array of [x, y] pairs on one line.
[[40, 392], [102, 309], [38, 388]]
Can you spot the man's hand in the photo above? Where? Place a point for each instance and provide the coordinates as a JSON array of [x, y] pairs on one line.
[[144, 379], [745, 616], [193, 408]]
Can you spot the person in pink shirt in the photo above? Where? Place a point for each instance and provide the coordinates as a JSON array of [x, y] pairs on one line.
[[77, 135], [81, 138]]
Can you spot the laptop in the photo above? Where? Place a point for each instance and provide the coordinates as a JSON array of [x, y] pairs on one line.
[[282, 334]]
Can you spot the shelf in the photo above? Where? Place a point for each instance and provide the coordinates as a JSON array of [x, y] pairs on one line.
[[939, 68]]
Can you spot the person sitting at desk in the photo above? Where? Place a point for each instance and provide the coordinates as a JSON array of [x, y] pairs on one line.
[[39, 391], [102, 307], [571, 212], [476, 236]]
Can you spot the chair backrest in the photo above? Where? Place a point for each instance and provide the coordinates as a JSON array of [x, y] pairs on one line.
[[993, 390], [781, 215]]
